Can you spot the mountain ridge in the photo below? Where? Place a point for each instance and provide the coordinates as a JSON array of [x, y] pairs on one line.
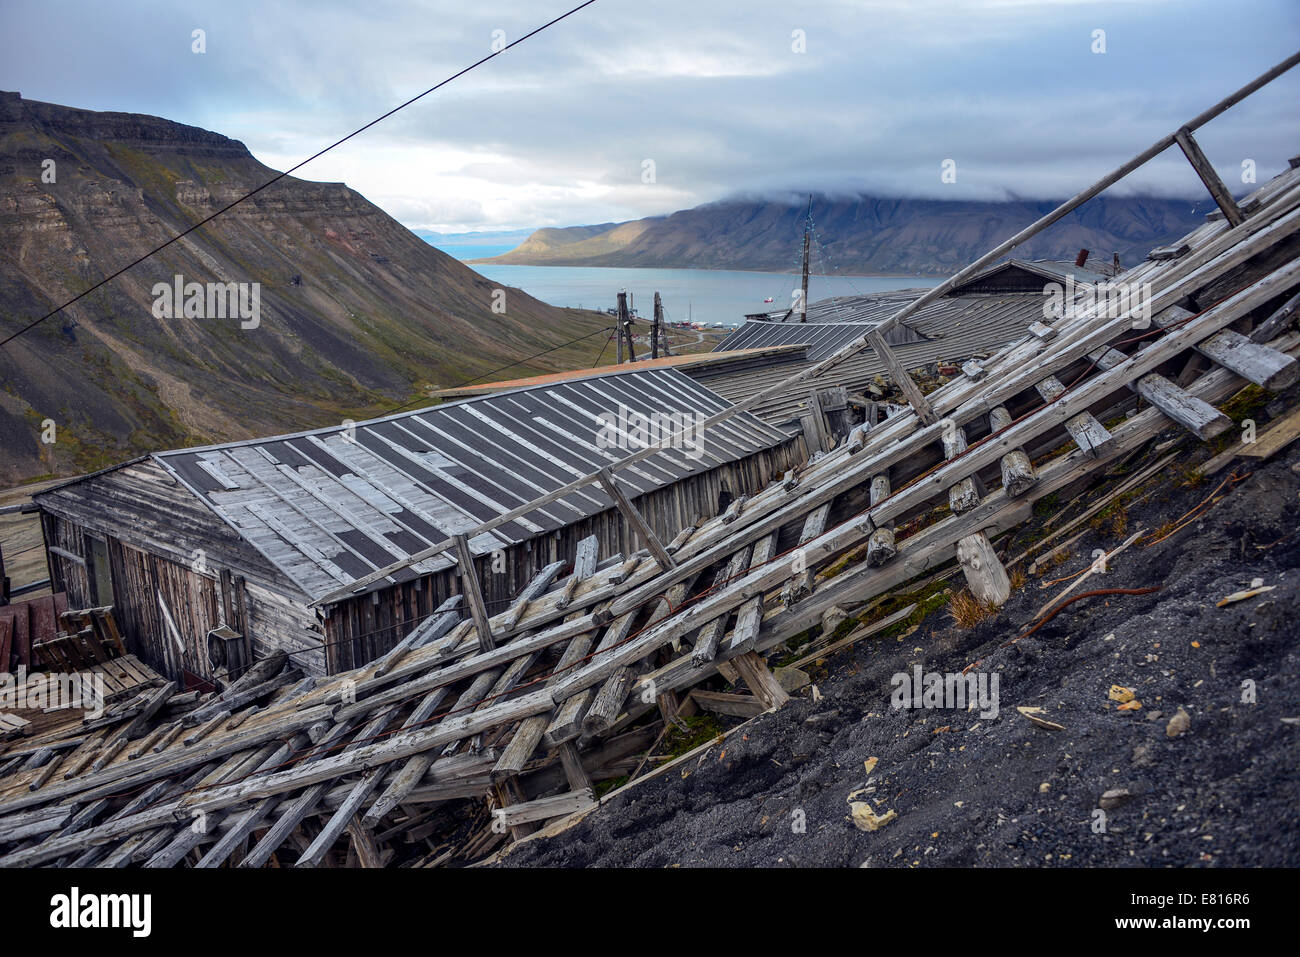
[[865, 235], [358, 314]]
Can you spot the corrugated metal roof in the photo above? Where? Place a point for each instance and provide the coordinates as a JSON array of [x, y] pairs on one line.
[[331, 505], [955, 328]]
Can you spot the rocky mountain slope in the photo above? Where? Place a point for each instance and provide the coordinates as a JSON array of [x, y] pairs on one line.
[[862, 236], [357, 314]]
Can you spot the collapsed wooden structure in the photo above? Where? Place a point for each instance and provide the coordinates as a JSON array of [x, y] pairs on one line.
[[527, 707], [245, 536]]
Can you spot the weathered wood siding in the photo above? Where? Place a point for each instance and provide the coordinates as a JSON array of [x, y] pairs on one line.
[[161, 539], [362, 628]]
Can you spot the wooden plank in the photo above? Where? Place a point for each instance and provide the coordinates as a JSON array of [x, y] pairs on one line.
[[1222, 198], [754, 672], [801, 583], [1042, 330], [545, 808], [962, 496], [536, 587], [1193, 414], [1276, 437], [635, 519], [706, 640], [469, 584], [1252, 361], [732, 705], [898, 375]]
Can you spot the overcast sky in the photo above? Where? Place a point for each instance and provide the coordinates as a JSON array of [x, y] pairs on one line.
[[557, 130]]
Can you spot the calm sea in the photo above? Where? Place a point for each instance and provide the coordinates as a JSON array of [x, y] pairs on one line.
[[704, 295]]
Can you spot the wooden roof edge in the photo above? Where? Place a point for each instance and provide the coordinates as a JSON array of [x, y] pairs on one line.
[[574, 375]]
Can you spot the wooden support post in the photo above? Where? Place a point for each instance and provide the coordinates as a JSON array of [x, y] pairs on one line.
[[638, 523], [760, 681], [469, 585], [1246, 355], [901, 379], [1222, 198], [801, 583], [584, 565], [985, 576], [574, 772], [1018, 475], [880, 545], [749, 616], [963, 496], [706, 639], [1088, 434]]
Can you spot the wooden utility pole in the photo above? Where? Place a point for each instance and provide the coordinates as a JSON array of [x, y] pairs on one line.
[[625, 330], [619, 323], [658, 327], [807, 236]]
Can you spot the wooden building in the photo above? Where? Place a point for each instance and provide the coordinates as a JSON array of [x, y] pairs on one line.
[[249, 534]]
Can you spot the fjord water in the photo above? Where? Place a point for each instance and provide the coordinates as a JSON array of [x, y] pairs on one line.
[[705, 295]]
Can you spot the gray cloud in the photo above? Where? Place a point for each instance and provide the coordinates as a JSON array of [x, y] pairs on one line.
[[556, 130]]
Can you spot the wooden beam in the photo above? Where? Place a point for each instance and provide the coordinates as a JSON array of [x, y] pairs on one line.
[[1193, 414], [898, 375], [469, 585], [1222, 198], [636, 520]]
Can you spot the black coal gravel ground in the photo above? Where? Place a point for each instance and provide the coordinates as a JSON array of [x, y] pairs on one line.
[[1002, 791]]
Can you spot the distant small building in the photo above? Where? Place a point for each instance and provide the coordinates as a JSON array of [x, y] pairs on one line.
[[249, 534]]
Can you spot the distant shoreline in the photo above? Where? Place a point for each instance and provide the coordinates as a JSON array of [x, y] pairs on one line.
[[495, 261]]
